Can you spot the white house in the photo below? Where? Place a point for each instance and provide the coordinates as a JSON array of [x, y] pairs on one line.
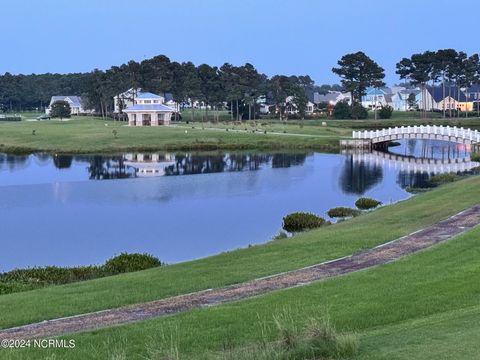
[[75, 103], [332, 97], [127, 98], [292, 109], [148, 110]]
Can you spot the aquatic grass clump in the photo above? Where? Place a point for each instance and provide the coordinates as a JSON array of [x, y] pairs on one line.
[[367, 203], [444, 178], [130, 262], [343, 212], [301, 221], [27, 279]]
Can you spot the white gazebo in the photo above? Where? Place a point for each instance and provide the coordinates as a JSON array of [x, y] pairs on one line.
[[148, 110]]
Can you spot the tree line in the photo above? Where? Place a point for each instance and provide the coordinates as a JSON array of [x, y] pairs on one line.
[[238, 86]]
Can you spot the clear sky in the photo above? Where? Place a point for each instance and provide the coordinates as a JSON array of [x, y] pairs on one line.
[[277, 37]]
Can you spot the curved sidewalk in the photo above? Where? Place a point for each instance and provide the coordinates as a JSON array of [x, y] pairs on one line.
[[382, 254]]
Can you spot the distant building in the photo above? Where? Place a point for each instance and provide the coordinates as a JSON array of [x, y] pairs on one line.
[[127, 99], [75, 102], [400, 100], [376, 98], [332, 98], [148, 110], [451, 98]]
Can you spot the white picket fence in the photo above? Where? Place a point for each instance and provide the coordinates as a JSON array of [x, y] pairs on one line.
[[453, 131]]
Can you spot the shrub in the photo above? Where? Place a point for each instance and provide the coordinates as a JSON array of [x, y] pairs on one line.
[[341, 110], [342, 212], [130, 262], [385, 112], [475, 156], [301, 221], [367, 203], [444, 178], [27, 279], [359, 112]]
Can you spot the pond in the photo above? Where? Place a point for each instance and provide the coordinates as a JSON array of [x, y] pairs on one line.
[[80, 210]]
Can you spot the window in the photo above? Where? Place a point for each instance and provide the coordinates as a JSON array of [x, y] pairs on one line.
[[155, 101], [147, 101], [161, 117]]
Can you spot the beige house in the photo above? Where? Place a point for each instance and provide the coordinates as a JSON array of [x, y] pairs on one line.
[[148, 110]]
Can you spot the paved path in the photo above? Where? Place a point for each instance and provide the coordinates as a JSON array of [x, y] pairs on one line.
[[382, 254]]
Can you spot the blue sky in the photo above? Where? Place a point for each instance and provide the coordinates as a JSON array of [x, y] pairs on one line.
[[277, 37]]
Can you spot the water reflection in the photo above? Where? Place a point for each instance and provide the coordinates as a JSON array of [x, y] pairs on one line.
[[414, 161], [131, 165], [359, 174]]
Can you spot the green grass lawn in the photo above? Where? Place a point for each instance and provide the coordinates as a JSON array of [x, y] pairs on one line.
[[305, 249], [425, 306], [87, 135], [92, 135]]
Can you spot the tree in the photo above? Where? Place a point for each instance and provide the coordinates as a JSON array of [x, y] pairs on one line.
[[300, 100], [385, 112], [280, 87], [60, 109], [412, 102], [341, 110], [359, 112], [358, 72], [418, 69], [210, 86]]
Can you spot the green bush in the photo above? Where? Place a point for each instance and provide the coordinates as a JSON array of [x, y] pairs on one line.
[[385, 112], [367, 203], [26, 279], [475, 156], [342, 212], [130, 262], [341, 110], [444, 178], [359, 112], [301, 221]]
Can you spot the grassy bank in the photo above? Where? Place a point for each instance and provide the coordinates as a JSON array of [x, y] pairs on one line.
[[92, 135], [423, 306], [304, 249]]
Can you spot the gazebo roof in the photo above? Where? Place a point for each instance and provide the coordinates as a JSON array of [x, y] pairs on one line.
[[149, 107]]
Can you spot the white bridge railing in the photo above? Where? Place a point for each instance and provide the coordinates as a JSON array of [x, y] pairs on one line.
[[452, 131]]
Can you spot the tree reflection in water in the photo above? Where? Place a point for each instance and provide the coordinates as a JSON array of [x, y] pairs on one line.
[[202, 164], [359, 176]]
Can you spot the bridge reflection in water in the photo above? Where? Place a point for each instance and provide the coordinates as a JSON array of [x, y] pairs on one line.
[[364, 169]]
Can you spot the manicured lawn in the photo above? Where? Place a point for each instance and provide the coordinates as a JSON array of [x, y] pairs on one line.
[[87, 135], [327, 243], [90, 135], [424, 306]]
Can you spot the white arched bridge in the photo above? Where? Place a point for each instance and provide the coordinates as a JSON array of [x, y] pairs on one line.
[[434, 132]]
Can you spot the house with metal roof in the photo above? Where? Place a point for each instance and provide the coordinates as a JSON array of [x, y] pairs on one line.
[[148, 109], [450, 97], [376, 97], [75, 102]]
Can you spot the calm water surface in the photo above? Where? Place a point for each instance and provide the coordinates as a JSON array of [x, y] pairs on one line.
[[63, 210]]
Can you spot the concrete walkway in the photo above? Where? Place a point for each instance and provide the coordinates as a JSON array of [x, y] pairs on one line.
[[382, 254]]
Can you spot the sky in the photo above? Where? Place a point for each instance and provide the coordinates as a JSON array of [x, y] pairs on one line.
[[290, 37]]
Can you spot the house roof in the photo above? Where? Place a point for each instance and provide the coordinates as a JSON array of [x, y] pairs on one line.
[[148, 95], [74, 100], [333, 96], [168, 96], [148, 107], [437, 93], [375, 91]]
